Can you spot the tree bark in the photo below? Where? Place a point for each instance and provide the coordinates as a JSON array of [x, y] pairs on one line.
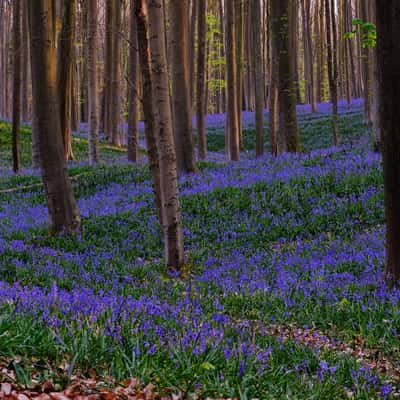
[[201, 84], [388, 48], [180, 74], [63, 211], [171, 215], [92, 43], [16, 120], [258, 76], [64, 73], [232, 119], [133, 87]]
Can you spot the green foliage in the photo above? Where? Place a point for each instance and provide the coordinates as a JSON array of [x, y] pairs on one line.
[[366, 30]]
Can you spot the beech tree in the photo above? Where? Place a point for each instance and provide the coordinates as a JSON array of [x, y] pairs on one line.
[[16, 120], [181, 104], [63, 211], [388, 30], [92, 22]]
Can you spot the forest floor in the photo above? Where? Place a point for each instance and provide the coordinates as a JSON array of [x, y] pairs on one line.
[[283, 294]]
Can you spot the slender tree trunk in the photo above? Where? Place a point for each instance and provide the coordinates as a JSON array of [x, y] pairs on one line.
[[64, 73], [63, 211], [115, 106], [133, 88], [332, 66], [388, 30], [232, 84], [25, 65], [239, 39], [201, 84], [171, 213], [16, 120], [182, 115], [92, 21], [258, 76]]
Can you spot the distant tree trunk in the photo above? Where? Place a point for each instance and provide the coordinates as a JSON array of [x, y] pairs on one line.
[[283, 32], [258, 75], [239, 39], [232, 118], [332, 65], [388, 30], [63, 211], [114, 118], [92, 22], [273, 100], [16, 120], [201, 84], [182, 118], [171, 213], [25, 65], [133, 87], [108, 59], [64, 73]]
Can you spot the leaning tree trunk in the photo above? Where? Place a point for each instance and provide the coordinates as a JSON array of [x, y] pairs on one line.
[[388, 30], [63, 211], [64, 73], [201, 84], [150, 126], [133, 87], [92, 13], [16, 120], [258, 76], [172, 222], [180, 74]]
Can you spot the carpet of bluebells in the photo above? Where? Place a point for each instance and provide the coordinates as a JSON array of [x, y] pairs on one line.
[[297, 239]]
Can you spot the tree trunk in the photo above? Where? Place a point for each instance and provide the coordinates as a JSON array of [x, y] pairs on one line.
[[171, 213], [63, 211], [16, 120], [92, 43], [258, 76], [232, 119], [332, 66], [388, 32], [180, 74], [133, 87], [64, 73], [283, 31], [201, 84]]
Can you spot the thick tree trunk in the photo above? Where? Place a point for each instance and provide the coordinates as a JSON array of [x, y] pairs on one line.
[[172, 221], [63, 211], [25, 66], [182, 115], [283, 31], [64, 73], [258, 76], [388, 30], [16, 120], [201, 84], [133, 88], [92, 43]]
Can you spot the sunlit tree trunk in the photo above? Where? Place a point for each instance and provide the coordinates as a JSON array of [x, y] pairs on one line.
[[63, 211]]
